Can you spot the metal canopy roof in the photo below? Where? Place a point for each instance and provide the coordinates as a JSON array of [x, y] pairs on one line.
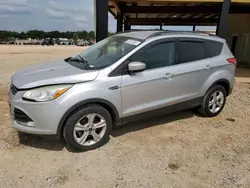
[[156, 12]]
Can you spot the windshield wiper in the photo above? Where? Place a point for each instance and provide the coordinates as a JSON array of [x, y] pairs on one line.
[[78, 58]]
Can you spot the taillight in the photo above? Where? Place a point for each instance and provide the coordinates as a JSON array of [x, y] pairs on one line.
[[232, 60]]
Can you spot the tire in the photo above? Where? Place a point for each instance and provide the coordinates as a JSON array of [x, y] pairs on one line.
[[81, 119], [207, 105]]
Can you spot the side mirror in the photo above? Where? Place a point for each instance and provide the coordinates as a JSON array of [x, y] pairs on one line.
[[136, 66]]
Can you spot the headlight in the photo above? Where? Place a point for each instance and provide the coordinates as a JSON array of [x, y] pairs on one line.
[[46, 93]]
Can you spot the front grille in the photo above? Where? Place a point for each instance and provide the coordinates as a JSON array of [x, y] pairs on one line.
[[13, 89], [19, 115]]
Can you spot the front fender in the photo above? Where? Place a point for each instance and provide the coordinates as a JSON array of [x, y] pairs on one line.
[[87, 93]]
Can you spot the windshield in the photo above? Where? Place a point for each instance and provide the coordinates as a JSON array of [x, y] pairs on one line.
[[107, 51]]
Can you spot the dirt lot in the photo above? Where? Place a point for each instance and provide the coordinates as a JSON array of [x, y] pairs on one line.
[[177, 150]]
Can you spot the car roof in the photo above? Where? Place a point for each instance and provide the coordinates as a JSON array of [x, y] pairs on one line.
[[143, 35], [138, 34]]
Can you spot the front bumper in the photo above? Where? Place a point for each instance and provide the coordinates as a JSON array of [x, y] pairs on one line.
[[31, 130], [45, 116]]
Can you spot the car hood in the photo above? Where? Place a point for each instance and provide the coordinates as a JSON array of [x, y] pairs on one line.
[[57, 72]]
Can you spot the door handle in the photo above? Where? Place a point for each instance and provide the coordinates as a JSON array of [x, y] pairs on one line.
[[168, 76]]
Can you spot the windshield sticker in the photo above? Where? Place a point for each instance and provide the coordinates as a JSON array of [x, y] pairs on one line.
[[133, 42]]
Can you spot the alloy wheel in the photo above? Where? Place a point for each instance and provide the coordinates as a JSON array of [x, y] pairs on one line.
[[216, 101], [90, 129]]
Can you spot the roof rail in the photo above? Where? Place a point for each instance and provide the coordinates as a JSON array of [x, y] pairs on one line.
[[172, 31], [159, 33], [132, 30], [127, 31], [204, 32]]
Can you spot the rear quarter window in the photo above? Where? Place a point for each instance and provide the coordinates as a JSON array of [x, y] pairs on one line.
[[214, 48], [190, 50]]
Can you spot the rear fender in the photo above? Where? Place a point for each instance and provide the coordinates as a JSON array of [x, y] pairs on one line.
[[213, 79]]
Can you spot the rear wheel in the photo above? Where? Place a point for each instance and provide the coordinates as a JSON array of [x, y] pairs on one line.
[[214, 101], [88, 128]]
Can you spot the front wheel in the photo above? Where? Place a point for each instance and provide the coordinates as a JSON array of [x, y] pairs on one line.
[[214, 101], [88, 128]]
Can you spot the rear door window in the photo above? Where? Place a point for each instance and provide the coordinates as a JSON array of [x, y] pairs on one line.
[[189, 51], [214, 48]]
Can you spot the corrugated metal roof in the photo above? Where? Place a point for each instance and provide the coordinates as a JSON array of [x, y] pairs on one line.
[[146, 10]]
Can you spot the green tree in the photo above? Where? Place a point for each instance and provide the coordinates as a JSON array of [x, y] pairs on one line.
[[92, 35], [38, 34], [110, 34], [75, 37], [82, 34]]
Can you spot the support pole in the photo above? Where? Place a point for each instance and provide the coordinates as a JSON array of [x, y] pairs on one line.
[[119, 22], [194, 27], [101, 19], [127, 26], [222, 26], [161, 26]]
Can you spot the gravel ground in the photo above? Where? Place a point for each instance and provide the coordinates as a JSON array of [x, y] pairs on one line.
[[181, 149]]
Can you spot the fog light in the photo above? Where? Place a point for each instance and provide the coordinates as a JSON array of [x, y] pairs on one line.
[[26, 124]]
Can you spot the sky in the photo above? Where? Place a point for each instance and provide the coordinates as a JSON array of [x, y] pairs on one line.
[[61, 15]]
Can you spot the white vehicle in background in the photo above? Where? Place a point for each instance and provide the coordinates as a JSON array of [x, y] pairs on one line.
[[63, 41], [82, 43]]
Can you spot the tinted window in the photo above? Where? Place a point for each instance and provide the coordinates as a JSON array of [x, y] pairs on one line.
[[214, 48], [191, 51], [155, 56]]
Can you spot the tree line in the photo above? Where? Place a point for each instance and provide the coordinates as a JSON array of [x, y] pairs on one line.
[[38, 34]]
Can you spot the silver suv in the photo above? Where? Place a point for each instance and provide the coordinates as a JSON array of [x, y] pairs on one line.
[[126, 77]]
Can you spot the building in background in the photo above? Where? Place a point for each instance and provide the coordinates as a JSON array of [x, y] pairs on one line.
[[232, 19]]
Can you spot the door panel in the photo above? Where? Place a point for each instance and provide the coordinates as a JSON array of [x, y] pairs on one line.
[[194, 64], [145, 90], [190, 77]]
